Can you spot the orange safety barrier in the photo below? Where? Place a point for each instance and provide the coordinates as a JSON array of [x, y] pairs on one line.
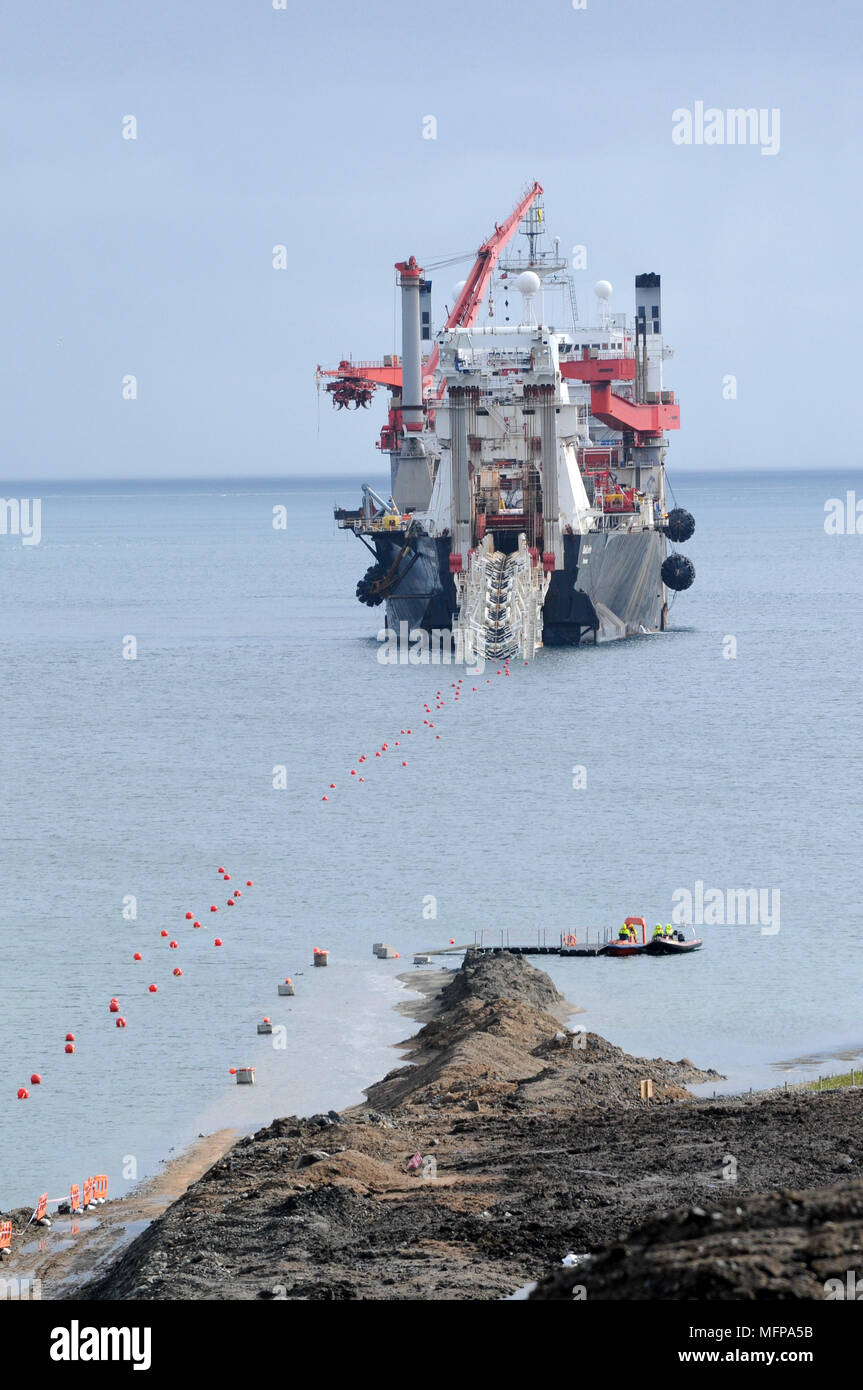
[[41, 1208], [88, 1192], [5, 1234], [100, 1187], [74, 1198]]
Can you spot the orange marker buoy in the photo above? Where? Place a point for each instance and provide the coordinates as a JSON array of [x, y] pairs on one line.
[[220, 869], [70, 1047], [196, 924], [362, 779], [178, 971], [437, 735], [452, 941], [410, 731], [154, 989], [237, 893], [214, 908], [230, 902], [113, 1007], [404, 764], [377, 755], [173, 945], [266, 1020], [70, 1037], [35, 1079], [249, 883], [353, 772], [218, 941], [232, 1071], [121, 1023], [325, 798], [23, 1093], [227, 878], [137, 956], [163, 933], [188, 916]]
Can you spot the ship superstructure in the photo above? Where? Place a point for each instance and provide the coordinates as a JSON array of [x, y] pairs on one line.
[[527, 462]]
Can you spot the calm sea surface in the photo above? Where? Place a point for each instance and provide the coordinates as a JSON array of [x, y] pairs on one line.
[[134, 779]]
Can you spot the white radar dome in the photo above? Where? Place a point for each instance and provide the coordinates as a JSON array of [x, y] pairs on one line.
[[528, 282], [603, 289]]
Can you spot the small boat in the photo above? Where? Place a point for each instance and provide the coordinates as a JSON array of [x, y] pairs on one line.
[[625, 946], [676, 945]]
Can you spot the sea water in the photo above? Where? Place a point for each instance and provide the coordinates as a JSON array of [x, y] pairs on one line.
[[587, 786]]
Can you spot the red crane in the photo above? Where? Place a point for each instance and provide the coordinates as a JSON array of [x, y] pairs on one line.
[[476, 284], [355, 382]]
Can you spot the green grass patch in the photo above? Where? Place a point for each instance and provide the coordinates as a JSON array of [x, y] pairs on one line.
[[834, 1083]]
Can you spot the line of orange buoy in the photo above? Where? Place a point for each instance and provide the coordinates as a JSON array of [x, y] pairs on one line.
[[23, 1092], [458, 687]]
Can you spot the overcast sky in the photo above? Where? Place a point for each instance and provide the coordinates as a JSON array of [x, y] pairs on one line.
[[258, 126]]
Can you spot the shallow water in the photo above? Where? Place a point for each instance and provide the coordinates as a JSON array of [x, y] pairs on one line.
[[139, 777]]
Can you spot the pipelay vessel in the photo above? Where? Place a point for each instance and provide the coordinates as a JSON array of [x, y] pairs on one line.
[[527, 498]]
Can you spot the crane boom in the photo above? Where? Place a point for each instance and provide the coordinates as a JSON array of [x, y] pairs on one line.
[[468, 303], [355, 382]]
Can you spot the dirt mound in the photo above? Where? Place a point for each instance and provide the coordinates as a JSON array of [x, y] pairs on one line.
[[354, 1169], [584, 1070], [495, 978], [477, 1044], [498, 1038], [782, 1245]]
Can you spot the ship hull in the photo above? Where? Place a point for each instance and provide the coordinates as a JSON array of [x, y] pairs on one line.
[[610, 586]]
